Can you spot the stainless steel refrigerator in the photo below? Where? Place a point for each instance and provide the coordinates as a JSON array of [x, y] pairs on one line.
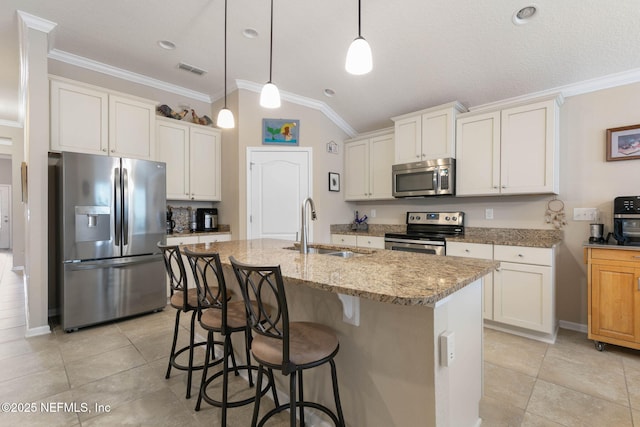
[[112, 213]]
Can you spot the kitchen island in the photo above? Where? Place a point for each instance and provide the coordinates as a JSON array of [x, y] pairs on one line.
[[397, 306]]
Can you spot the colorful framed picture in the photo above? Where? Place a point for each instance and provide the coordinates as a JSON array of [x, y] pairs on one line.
[[280, 131], [623, 143], [334, 181]]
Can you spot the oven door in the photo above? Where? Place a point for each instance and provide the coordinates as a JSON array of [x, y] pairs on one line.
[[626, 229], [415, 182], [417, 246]]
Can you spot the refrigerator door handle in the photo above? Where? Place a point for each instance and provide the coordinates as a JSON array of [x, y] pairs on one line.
[[117, 202], [125, 207]]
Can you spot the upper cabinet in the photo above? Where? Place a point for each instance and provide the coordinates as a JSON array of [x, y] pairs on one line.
[[93, 120], [192, 154], [513, 150], [426, 134], [367, 166]]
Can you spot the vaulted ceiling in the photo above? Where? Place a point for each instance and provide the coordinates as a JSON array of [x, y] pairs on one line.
[[425, 52]]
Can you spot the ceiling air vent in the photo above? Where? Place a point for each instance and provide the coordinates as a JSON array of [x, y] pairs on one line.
[[191, 68]]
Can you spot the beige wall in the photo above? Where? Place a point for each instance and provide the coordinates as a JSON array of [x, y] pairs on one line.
[[586, 180]]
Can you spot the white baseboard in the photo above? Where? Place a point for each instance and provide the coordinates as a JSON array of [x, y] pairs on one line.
[[572, 326], [40, 330]]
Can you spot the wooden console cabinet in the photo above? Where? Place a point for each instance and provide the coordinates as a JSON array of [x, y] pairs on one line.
[[614, 296]]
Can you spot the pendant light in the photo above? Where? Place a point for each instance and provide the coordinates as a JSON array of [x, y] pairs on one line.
[[270, 96], [225, 116], [359, 54]]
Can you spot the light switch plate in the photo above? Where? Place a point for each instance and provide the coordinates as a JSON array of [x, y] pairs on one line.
[[585, 214]]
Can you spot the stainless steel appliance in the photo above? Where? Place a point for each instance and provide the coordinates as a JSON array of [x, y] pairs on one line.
[[206, 219], [428, 178], [111, 216], [596, 233], [426, 232], [626, 220]]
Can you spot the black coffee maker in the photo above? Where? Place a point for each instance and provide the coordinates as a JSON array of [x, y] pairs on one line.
[[171, 224]]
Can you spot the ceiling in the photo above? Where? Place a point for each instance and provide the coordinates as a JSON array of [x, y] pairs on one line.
[[425, 52]]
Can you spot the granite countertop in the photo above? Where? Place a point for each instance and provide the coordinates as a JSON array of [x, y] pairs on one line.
[[395, 277], [497, 236]]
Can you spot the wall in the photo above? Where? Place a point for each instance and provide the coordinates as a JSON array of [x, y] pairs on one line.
[[586, 180], [16, 151]]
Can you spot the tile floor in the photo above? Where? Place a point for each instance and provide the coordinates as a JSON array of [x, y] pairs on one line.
[[122, 364]]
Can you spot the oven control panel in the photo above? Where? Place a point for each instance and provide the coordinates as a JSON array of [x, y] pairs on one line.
[[629, 204], [435, 218]]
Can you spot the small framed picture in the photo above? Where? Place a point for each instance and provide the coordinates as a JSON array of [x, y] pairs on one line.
[[334, 181], [623, 143], [280, 132]]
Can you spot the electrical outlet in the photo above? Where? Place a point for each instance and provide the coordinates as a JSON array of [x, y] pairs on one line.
[[488, 214], [585, 214], [447, 348], [373, 213]]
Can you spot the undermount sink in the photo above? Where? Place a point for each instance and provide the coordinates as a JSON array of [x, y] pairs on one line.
[[326, 251]]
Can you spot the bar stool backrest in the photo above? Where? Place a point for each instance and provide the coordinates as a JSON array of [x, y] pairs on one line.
[[175, 270], [209, 280], [264, 286]]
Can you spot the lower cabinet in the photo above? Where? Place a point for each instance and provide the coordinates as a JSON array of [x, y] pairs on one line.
[[521, 292], [361, 241], [478, 251], [614, 297], [192, 239]]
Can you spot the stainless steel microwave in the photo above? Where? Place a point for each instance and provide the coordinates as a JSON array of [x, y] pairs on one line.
[[429, 178]]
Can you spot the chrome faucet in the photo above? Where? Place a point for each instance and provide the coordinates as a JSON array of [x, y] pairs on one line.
[[304, 232]]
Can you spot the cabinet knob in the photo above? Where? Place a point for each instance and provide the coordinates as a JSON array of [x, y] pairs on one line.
[[113, 151], [104, 150], [424, 155], [504, 186], [520, 256], [467, 250], [417, 156], [495, 186]]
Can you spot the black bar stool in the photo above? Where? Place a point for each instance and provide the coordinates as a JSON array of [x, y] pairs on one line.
[[290, 347], [184, 300], [216, 313]]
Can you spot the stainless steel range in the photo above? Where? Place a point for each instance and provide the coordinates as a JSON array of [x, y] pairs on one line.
[[427, 232]]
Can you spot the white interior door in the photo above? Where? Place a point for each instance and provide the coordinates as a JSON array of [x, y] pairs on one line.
[[278, 181], [5, 216]]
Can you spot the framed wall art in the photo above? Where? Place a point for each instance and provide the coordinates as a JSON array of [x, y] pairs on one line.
[[334, 181], [280, 131], [623, 143]]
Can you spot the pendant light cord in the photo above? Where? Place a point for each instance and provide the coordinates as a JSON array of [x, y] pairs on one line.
[[225, 54], [359, 34], [271, 45]]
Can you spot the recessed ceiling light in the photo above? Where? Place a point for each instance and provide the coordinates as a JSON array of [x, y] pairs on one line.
[[166, 44], [250, 33], [329, 92], [524, 15]]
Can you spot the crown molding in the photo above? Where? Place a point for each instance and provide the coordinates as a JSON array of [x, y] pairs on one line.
[[304, 101], [573, 89], [35, 22], [89, 64]]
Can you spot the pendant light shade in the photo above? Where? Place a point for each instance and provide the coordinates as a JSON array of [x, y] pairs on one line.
[[270, 95], [225, 116], [359, 60], [225, 119]]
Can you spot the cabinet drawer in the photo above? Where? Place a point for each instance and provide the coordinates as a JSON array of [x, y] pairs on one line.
[[523, 254], [182, 240], [344, 239], [212, 238], [470, 250], [616, 254], [370, 242]]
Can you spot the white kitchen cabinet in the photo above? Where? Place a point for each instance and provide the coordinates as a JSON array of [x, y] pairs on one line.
[[367, 166], [192, 154], [524, 288], [89, 119], [478, 251], [361, 241], [426, 134], [509, 151]]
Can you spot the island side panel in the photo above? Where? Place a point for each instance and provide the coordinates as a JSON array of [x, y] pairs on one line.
[[459, 385]]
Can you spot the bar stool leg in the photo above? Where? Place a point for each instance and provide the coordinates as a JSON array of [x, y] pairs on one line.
[[336, 394], [173, 346], [292, 397], [301, 400], [205, 368], [256, 405], [191, 340], [247, 349], [273, 387]]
